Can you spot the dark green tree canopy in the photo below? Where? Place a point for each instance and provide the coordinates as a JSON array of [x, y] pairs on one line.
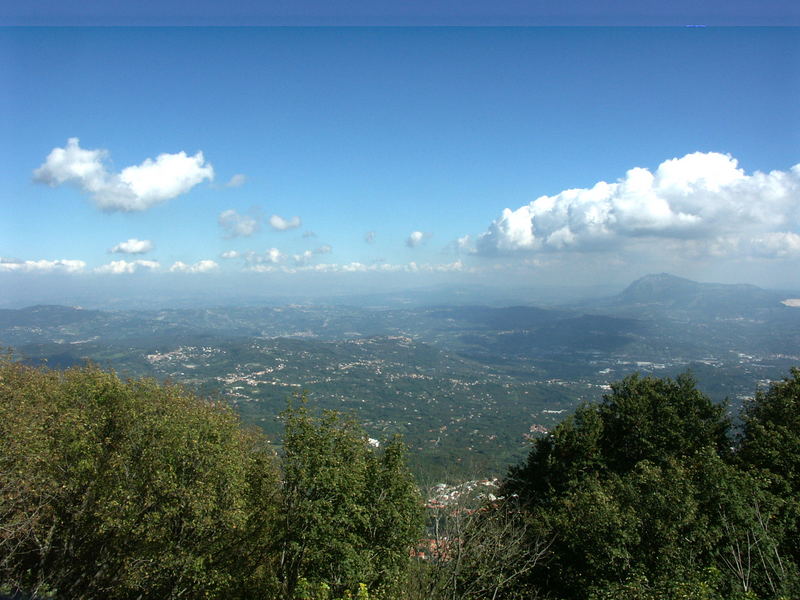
[[644, 496], [644, 418], [770, 449], [771, 433]]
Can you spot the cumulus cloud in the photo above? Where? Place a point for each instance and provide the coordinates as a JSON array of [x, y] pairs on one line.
[[259, 261], [416, 238], [229, 254], [273, 255], [8, 265], [235, 225], [699, 197], [369, 237], [237, 180], [117, 267], [278, 223], [135, 188], [133, 246], [201, 266]]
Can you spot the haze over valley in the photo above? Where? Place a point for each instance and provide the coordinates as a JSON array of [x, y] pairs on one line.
[[466, 385]]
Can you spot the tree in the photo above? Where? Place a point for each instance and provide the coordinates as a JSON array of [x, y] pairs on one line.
[[630, 490], [350, 514], [126, 489], [771, 434], [647, 418], [769, 449]]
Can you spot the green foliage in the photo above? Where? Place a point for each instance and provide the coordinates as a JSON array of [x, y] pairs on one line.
[[644, 496], [125, 489], [770, 450], [131, 489], [646, 418], [771, 439], [322, 591], [345, 500]]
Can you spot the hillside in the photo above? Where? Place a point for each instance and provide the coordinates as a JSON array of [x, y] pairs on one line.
[[667, 292]]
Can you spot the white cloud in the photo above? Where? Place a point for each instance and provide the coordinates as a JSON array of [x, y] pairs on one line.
[[272, 256], [305, 257], [42, 266], [117, 267], [235, 225], [133, 246], [237, 180], [135, 188], [416, 238], [702, 196], [766, 245], [202, 266], [369, 237], [280, 224], [775, 245], [465, 244], [228, 254]]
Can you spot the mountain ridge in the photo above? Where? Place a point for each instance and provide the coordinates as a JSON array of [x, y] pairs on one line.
[[670, 292]]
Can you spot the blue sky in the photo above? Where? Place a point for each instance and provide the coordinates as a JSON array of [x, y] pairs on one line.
[[314, 155]]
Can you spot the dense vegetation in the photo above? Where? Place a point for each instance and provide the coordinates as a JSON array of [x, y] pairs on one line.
[[648, 495], [132, 489]]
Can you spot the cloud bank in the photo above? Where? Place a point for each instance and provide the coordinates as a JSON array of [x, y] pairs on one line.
[[201, 266], [8, 265], [118, 267], [703, 200], [135, 188]]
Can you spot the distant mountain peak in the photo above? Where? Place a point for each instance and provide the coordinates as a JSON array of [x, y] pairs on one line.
[[671, 291], [658, 287], [662, 277]]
